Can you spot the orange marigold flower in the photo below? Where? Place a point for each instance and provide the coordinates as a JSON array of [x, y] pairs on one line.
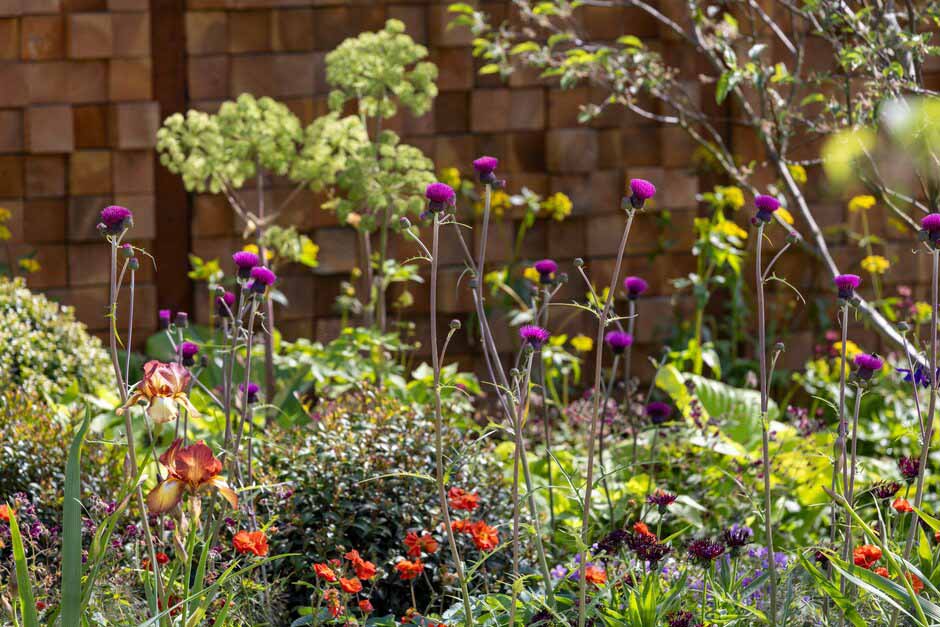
[[916, 583], [866, 555], [190, 469], [641, 528], [324, 572], [485, 538], [251, 542], [408, 569], [902, 505], [5, 512], [350, 586], [881, 570], [462, 500], [416, 544], [164, 388], [595, 575], [366, 606]]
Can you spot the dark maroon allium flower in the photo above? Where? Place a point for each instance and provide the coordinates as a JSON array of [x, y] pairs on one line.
[[252, 392], [766, 205], [225, 305], [182, 319], [658, 412], [737, 535], [261, 278], [618, 341], [546, 269], [439, 196], [682, 618], [648, 547], [542, 618], [704, 550], [909, 467], [661, 498], [847, 284], [867, 365], [641, 190], [245, 261], [613, 541], [885, 489], [164, 316], [485, 168], [188, 352], [533, 335], [116, 219], [635, 286], [931, 227]]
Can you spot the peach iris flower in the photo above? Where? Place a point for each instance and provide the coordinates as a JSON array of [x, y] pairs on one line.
[[164, 389], [191, 469]]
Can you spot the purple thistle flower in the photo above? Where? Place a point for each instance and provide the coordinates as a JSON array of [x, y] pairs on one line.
[[641, 190], [485, 168], [658, 412], [439, 196], [931, 227], [618, 341], [245, 261], [737, 536], [885, 489], [225, 305], [635, 286], [116, 219], [188, 352], [261, 279], [164, 316], [533, 335], [909, 467], [252, 392], [847, 284], [705, 550], [766, 205], [546, 269], [661, 498], [867, 365]]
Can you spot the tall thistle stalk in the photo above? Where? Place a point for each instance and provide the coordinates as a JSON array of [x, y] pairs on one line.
[[839, 452]]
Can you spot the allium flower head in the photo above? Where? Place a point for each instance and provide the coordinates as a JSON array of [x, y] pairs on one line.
[[188, 352], [867, 365], [909, 467], [533, 335], [546, 269], [613, 541], [164, 316], [705, 550], [250, 393], [245, 261], [485, 168], [225, 305], [116, 219], [635, 286], [261, 279], [737, 535], [439, 195], [847, 284], [885, 489], [618, 341], [658, 412], [648, 547], [766, 205], [641, 190]]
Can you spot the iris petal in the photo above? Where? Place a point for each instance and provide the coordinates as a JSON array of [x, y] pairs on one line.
[[165, 496]]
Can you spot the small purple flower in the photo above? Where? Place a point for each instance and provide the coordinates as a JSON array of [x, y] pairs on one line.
[[635, 286], [661, 499], [931, 227], [559, 572], [546, 269], [485, 168], [766, 205], [618, 341], [885, 489], [658, 412], [261, 279], [164, 316], [252, 392], [909, 467], [115, 219], [847, 284], [439, 195], [705, 550], [245, 260], [225, 305], [533, 335], [867, 365], [920, 376], [641, 190], [188, 352], [737, 536]]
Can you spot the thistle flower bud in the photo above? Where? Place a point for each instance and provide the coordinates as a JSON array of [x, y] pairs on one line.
[[514, 373], [127, 251], [578, 262], [563, 278], [455, 324], [903, 326], [779, 347], [133, 263], [405, 223], [182, 319]]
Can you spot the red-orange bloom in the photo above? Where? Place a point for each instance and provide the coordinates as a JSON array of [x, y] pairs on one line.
[[462, 500], [462, 524], [416, 544], [881, 570], [366, 606], [641, 528], [251, 542], [408, 569], [331, 596], [162, 558], [902, 505], [595, 575], [364, 569], [350, 586], [5, 512], [190, 469], [485, 538], [916, 583], [164, 388], [324, 572], [866, 555]]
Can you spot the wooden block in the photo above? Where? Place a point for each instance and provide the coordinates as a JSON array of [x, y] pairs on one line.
[[525, 152], [212, 216], [414, 20], [207, 77], [441, 36], [337, 249], [490, 110], [133, 172], [9, 39], [331, 26], [135, 124], [11, 175], [293, 30], [527, 109], [564, 106], [130, 79], [47, 220], [53, 266], [455, 68], [249, 31], [278, 76], [131, 34], [571, 150], [11, 130], [91, 126], [90, 173], [83, 216], [13, 78], [144, 208], [89, 264], [206, 32], [452, 112], [11, 8], [43, 37], [128, 5], [45, 176], [88, 81], [91, 35], [454, 151], [49, 129]]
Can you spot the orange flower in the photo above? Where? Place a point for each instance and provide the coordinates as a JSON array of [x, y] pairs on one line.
[[408, 569], [331, 596], [366, 606], [353, 556], [5, 512], [416, 544], [251, 542], [641, 528], [364, 569], [190, 469], [866, 555], [462, 524], [595, 575], [902, 505], [881, 570], [916, 583], [461, 500], [164, 388], [485, 538], [324, 572], [350, 586]]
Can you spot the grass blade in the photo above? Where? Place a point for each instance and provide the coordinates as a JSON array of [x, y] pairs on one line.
[[23, 587], [72, 530]]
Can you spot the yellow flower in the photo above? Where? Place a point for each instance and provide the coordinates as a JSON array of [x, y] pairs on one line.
[[531, 274], [4, 233], [450, 176], [558, 206], [785, 215], [730, 229], [29, 265], [5, 214], [851, 349], [798, 173], [876, 264], [253, 248], [734, 197], [499, 203], [582, 343], [861, 203], [921, 312]]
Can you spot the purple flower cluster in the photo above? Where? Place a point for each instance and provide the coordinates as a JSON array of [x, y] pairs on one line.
[[867, 365], [648, 547], [930, 225], [766, 206], [635, 286], [885, 489], [737, 536], [909, 467], [533, 335], [485, 168], [658, 412], [618, 341], [261, 279], [641, 190], [188, 352], [245, 261], [115, 219], [705, 550], [225, 305], [847, 284], [440, 196], [250, 393], [661, 499], [546, 269]]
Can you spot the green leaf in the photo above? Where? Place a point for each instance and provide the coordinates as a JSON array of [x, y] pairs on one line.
[[23, 585], [489, 68], [630, 41], [526, 46], [810, 99], [461, 7], [72, 530], [725, 84]]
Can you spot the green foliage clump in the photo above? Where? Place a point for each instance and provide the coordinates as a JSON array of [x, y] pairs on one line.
[[43, 349], [329, 144]]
